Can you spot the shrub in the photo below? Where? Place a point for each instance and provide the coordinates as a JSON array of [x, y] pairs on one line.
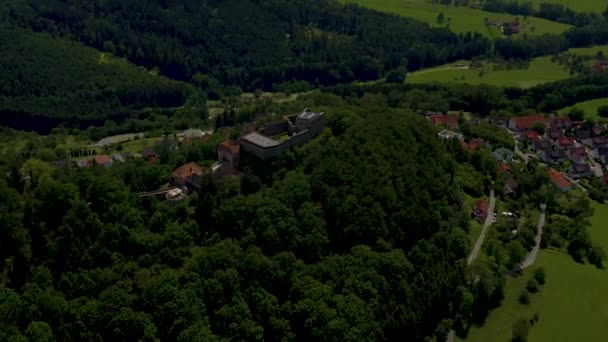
[[533, 286], [521, 329], [524, 297], [539, 275], [602, 111]]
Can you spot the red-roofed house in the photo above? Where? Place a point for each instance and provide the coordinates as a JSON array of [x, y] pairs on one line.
[[559, 122], [445, 120], [228, 153], [559, 180], [529, 136], [504, 169], [577, 155], [481, 210], [565, 143], [526, 123], [101, 160], [187, 175]]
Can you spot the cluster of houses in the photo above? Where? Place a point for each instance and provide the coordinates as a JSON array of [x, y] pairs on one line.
[[564, 142], [558, 142]]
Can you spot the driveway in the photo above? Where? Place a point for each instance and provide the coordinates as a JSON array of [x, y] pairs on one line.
[[539, 233], [484, 231]]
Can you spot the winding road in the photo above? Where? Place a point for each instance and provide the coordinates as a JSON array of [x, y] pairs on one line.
[[484, 231]]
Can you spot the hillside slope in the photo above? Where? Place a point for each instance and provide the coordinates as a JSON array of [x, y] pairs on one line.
[[45, 81]]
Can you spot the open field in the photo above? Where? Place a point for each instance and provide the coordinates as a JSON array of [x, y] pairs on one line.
[[596, 6], [590, 107], [462, 19], [590, 51], [540, 70], [573, 305]]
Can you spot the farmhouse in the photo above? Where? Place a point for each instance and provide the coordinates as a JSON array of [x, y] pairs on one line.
[[277, 137]]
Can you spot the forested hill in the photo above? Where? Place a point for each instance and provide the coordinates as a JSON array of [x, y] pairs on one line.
[[336, 248], [46, 81], [253, 44]]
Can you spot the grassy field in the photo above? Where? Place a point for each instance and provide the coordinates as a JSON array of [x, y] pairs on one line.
[[596, 6], [590, 51], [541, 70], [573, 305], [462, 19], [590, 107]]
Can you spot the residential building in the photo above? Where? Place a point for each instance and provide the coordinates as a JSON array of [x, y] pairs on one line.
[[577, 155], [149, 153], [188, 175], [541, 145], [582, 134], [529, 136], [481, 210], [595, 141], [473, 144], [553, 134], [448, 121], [279, 136], [565, 143], [447, 134], [578, 171], [101, 160], [602, 154], [526, 123], [504, 169], [559, 180], [552, 156], [560, 123]]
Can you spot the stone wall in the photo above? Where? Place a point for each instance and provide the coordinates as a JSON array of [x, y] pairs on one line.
[[276, 128]]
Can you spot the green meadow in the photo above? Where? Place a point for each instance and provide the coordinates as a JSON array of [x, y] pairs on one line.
[[540, 70], [590, 107], [572, 305], [460, 19]]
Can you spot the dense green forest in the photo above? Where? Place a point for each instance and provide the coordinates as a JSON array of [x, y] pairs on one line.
[[327, 243], [251, 44], [48, 81]]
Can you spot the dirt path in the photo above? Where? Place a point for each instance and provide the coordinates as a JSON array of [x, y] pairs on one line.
[[484, 231], [539, 233]]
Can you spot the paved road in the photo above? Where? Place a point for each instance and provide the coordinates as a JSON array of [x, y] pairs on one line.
[[484, 231], [478, 243], [114, 139], [539, 233]]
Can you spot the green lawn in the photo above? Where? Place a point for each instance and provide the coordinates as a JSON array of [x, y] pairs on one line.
[[573, 305], [462, 19], [541, 70], [590, 107], [577, 5]]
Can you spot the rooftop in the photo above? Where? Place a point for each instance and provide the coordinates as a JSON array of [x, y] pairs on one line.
[[187, 170], [260, 140], [307, 114], [528, 122], [558, 179], [231, 145]]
